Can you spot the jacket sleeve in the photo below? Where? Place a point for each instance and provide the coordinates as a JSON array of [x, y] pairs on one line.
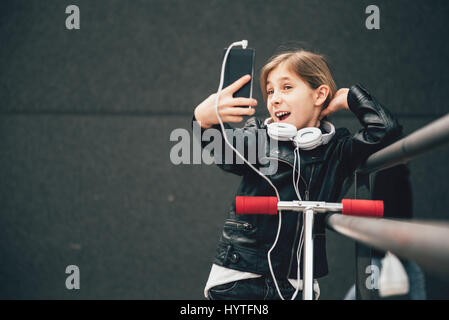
[[379, 129], [244, 139]]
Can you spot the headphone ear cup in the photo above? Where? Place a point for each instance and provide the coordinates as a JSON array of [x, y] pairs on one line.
[[281, 131], [308, 138], [329, 127]]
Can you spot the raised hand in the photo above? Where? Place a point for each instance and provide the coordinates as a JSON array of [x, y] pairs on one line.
[[339, 102], [228, 106]]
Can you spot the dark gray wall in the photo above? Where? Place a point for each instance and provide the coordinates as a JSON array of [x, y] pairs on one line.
[[86, 115]]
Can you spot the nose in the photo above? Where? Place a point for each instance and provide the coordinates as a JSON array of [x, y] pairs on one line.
[[276, 98]]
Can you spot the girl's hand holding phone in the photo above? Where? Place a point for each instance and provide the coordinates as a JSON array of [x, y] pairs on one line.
[[228, 106]]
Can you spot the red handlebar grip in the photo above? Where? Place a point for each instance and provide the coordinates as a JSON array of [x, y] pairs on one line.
[[363, 208], [256, 205]]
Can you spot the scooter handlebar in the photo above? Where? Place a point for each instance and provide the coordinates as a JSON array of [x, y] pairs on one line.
[[269, 205], [256, 205], [363, 208]]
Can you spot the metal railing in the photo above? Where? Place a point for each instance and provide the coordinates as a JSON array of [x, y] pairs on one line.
[[424, 242], [425, 139]]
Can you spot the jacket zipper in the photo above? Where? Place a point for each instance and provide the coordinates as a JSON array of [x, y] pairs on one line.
[[239, 225], [298, 223]]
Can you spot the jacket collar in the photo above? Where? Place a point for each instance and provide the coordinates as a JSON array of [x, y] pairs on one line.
[[285, 152]]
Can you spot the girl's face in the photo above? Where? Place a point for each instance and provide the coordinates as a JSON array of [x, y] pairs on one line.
[[291, 100]]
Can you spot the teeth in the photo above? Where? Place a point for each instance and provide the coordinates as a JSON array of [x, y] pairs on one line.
[[280, 114]]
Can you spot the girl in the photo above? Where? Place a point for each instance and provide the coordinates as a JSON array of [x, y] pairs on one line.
[[299, 90]]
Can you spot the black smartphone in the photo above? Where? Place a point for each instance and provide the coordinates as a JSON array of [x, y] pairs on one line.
[[240, 62]]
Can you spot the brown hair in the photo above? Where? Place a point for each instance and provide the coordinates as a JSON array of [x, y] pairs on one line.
[[312, 68]]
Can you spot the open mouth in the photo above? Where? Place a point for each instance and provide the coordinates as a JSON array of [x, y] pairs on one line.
[[282, 115]]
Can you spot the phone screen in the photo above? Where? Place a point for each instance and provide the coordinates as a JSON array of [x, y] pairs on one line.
[[240, 62]]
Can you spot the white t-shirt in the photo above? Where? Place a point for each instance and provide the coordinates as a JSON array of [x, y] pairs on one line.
[[220, 275]]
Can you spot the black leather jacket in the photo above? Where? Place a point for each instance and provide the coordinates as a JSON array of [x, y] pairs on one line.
[[246, 239]]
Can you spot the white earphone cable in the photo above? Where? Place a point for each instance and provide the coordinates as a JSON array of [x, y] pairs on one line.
[[295, 183], [298, 259], [220, 88], [301, 240], [281, 133]]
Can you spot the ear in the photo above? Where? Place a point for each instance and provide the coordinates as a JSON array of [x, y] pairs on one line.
[[321, 94]]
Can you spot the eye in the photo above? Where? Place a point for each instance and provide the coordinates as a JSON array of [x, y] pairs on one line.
[[269, 91], [287, 87]]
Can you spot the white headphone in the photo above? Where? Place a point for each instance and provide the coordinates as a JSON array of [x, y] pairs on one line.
[[306, 138]]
